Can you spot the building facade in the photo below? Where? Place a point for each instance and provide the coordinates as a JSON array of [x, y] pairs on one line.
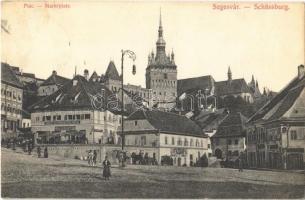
[[276, 133], [164, 135], [229, 140], [11, 102], [80, 112]]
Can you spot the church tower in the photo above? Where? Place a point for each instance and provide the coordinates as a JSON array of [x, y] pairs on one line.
[[161, 73]]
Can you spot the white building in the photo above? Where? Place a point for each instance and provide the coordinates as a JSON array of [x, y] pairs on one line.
[[79, 112], [165, 135]]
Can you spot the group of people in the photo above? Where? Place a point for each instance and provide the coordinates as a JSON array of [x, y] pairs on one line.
[[45, 152], [92, 157]]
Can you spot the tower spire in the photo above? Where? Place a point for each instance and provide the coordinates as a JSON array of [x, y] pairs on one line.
[[160, 19], [160, 53], [160, 25], [229, 74]]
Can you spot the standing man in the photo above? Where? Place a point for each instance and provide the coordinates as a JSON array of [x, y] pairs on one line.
[[106, 168], [46, 154]]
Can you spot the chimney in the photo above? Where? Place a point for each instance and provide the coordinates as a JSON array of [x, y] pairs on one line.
[[54, 73], [301, 71], [86, 74]]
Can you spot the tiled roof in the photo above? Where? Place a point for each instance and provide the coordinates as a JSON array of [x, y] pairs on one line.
[[235, 86], [112, 72], [168, 122], [190, 84], [79, 95], [232, 125], [55, 79], [281, 103], [8, 76], [210, 121]]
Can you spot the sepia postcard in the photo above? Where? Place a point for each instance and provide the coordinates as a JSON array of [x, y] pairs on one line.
[[152, 99]]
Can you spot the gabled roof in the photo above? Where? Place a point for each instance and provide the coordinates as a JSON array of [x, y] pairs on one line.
[[235, 86], [281, 103], [55, 79], [77, 93], [168, 122], [232, 125], [197, 83], [112, 72], [8, 76], [94, 75]]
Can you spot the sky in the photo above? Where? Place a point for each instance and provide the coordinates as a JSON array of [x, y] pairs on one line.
[[267, 43]]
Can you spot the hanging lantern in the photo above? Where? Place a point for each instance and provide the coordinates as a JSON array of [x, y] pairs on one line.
[[133, 69]]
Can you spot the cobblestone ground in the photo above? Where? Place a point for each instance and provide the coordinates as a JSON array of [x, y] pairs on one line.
[[31, 177]]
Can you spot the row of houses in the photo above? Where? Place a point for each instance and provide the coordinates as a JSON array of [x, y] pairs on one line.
[[169, 119], [83, 111]]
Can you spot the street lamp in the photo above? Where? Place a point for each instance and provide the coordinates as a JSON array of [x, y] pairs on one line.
[[132, 56]]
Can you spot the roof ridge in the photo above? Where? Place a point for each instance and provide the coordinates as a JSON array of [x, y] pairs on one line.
[[194, 77]]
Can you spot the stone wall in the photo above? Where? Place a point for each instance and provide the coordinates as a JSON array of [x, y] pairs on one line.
[[80, 151]]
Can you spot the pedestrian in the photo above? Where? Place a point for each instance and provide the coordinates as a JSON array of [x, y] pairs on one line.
[[240, 164], [14, 144], [45, 153], [39, 151], [29, 148], [94, 157], [106, 168], [90, 158]]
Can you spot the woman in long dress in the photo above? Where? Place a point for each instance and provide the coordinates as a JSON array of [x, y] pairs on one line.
[[106, 168]]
